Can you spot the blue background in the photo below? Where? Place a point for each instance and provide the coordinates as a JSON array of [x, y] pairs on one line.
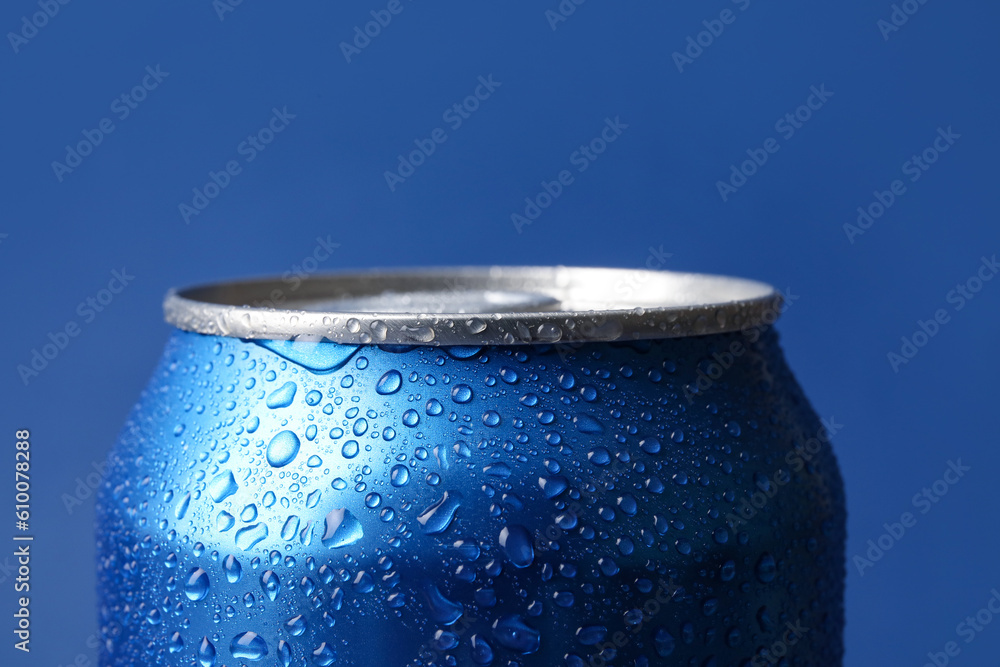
[[655, 187]]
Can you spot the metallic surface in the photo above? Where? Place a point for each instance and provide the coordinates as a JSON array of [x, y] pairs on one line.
[[659, 502], [476, 306]]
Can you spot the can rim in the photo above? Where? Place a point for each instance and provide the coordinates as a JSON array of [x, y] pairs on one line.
[[517, 305]]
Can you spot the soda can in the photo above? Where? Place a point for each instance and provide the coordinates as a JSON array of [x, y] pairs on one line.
[[508, 467]]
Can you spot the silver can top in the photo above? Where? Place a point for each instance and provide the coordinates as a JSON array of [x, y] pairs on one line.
[[497, 305]]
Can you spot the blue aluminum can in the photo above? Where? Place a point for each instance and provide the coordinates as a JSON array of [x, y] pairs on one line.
[[508, 467]]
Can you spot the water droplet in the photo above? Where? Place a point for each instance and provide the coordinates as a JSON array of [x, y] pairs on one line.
[[247, 537], [442, 609], [182, 506], [223, 486], [517, 544], [650, 445], [411, 418], [290, 528], [249, 646], [206, 653], [197, 584], [389, 383], [320, 357], [553, 486], [461, 393], [324, 655], [512, 633], [663, 642], [482, 652], [350, 449], [342, 529], [313, 397], [399, 475], [249, 513], [283, 396], [224, 521], [588, 424], [296, 625], [436, 518], [232, 569], [491, 418], [766, 569], [270, 584], [282, 449]]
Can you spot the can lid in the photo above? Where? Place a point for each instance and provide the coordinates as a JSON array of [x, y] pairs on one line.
[[497, 305]]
